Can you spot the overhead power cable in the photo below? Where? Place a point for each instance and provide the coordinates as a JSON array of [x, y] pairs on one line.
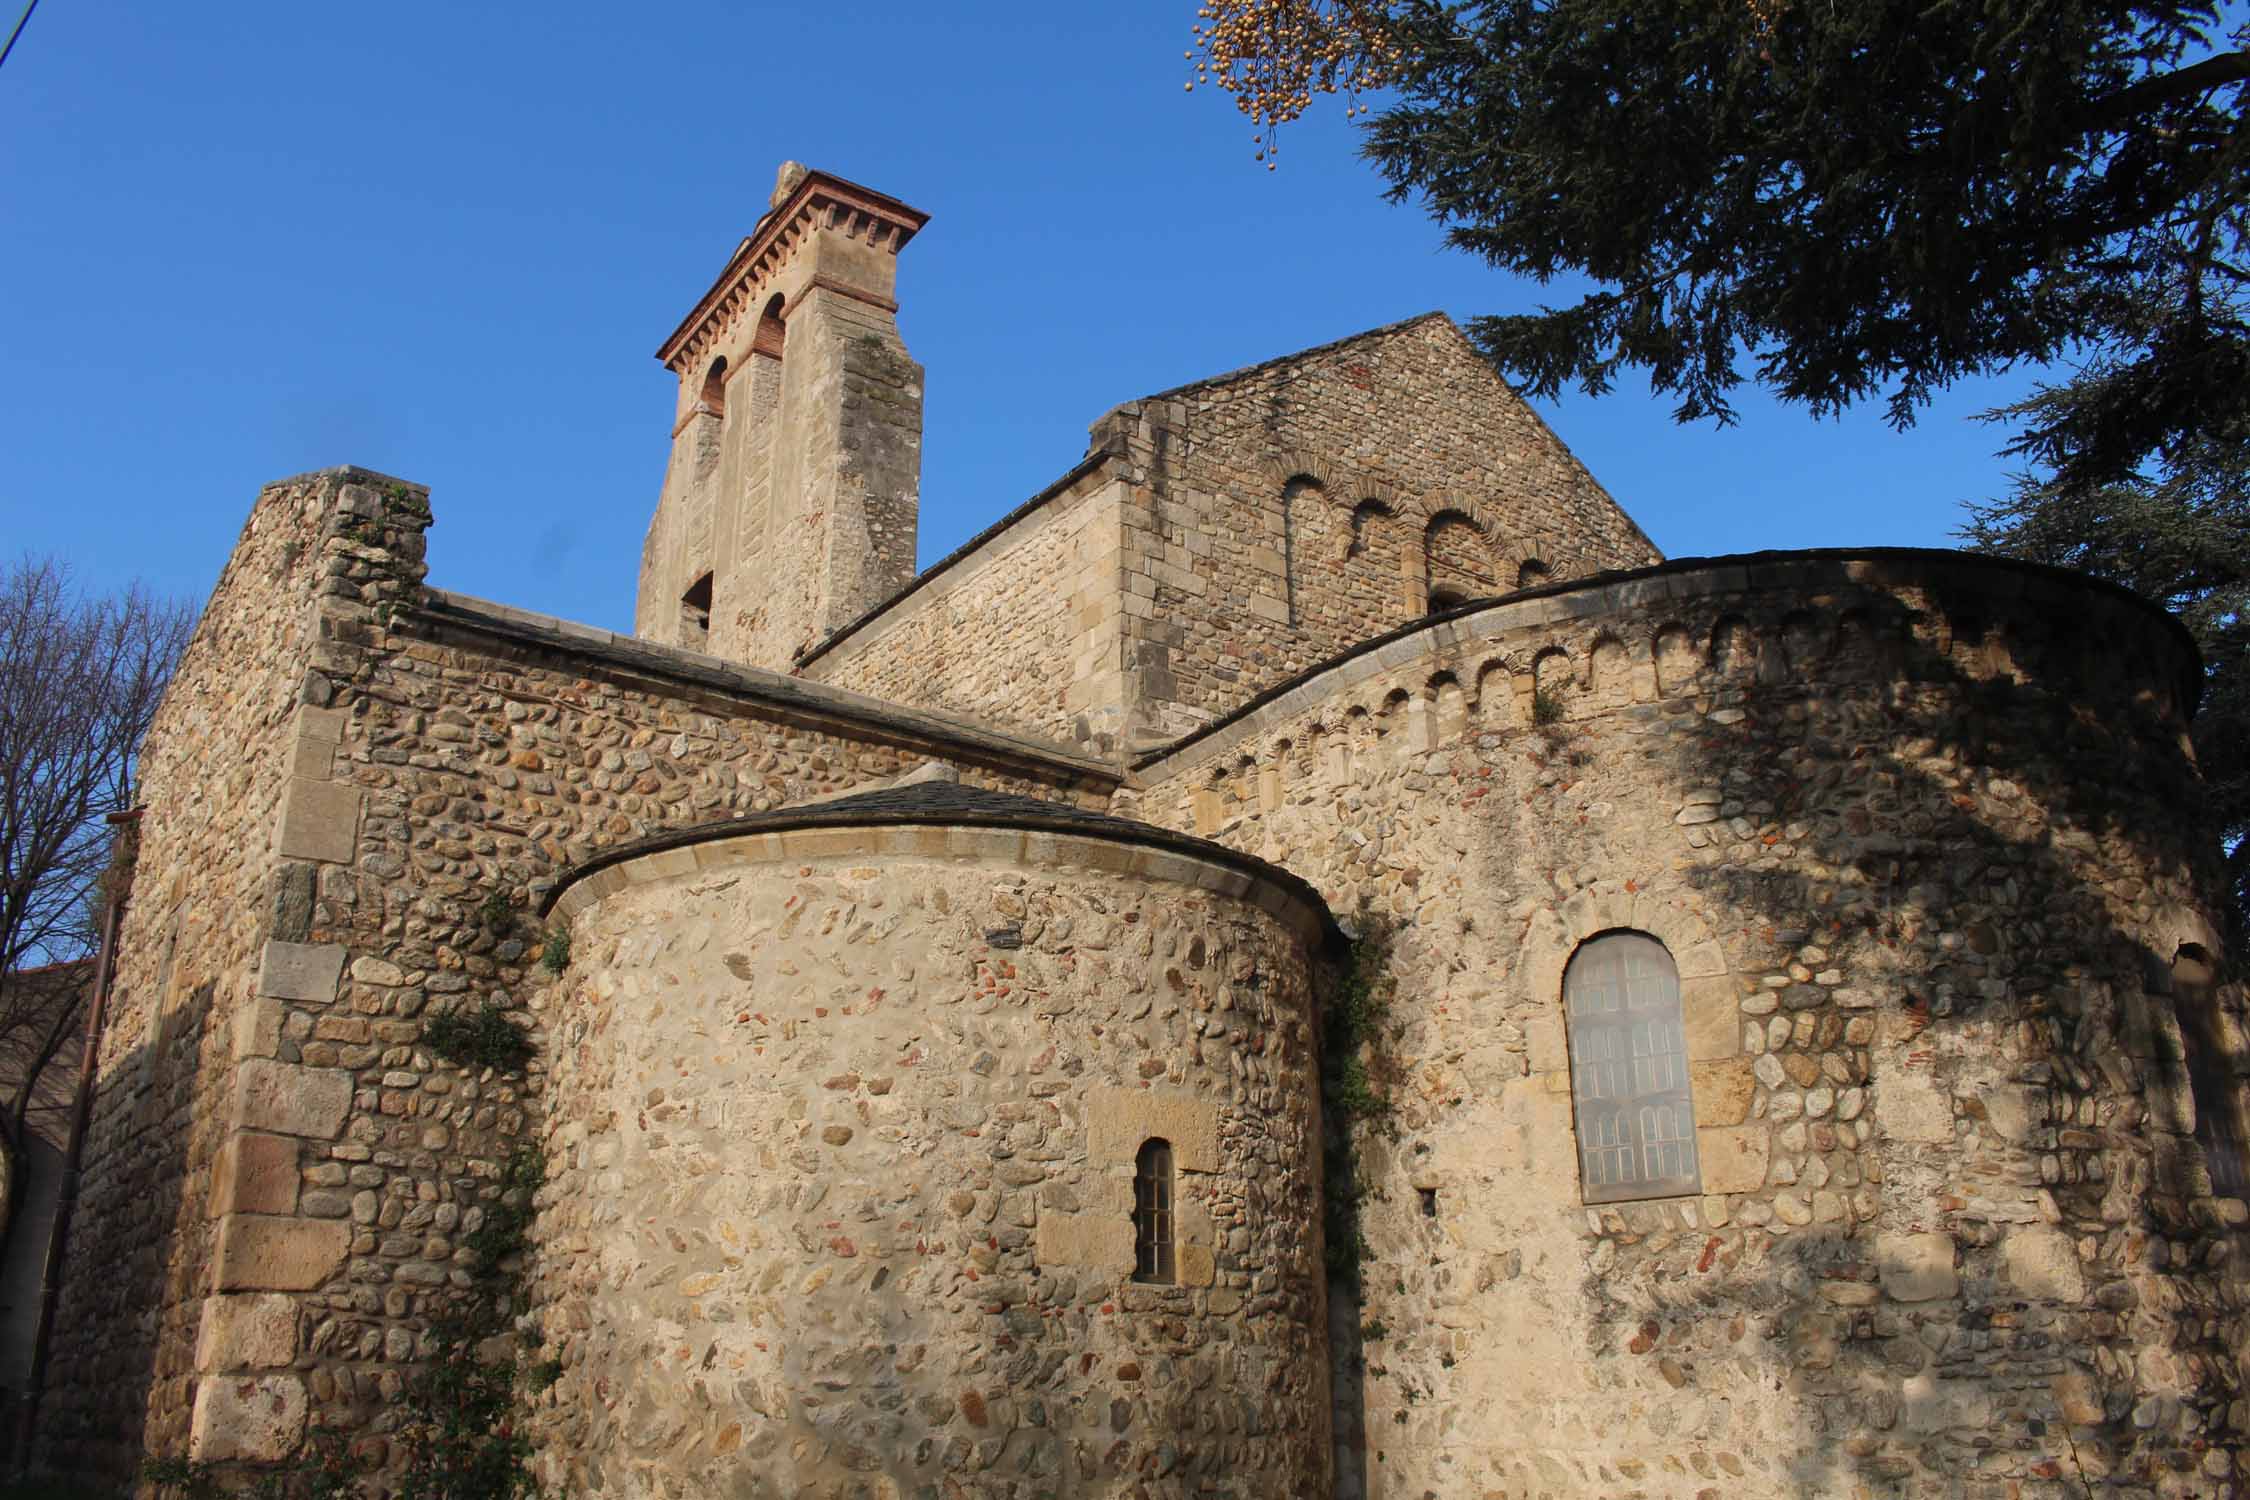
[[31, 6]]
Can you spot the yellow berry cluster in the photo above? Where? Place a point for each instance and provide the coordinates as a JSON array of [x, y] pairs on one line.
[[1274, 55]]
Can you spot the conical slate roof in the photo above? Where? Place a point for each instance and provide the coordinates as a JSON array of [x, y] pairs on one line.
[[941, 803]]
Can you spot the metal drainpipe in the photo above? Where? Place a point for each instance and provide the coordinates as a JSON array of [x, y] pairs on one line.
[[82, 1112]]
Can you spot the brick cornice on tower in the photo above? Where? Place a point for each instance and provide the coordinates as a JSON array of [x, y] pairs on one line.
[[819, 202]]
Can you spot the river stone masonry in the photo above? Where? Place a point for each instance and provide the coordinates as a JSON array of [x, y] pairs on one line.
[[843, 1117], [1911, 829]]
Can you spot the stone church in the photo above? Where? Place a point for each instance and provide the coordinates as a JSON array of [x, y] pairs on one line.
[[1792, 1053]]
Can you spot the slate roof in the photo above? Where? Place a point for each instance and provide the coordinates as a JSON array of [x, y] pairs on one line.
[[948, 804]]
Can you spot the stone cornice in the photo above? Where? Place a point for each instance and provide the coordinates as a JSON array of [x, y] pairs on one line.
[[820, 202]]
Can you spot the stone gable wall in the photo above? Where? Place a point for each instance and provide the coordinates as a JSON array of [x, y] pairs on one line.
[[1022, 632], [842, 1132], [1283, 514], [1921, 838]]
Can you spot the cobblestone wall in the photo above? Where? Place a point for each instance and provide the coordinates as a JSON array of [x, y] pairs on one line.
[[1922, 838], [483, 767], [842, 1141], [217, 776], [350, 772]]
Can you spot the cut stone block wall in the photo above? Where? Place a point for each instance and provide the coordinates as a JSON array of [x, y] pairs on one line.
[[843, 493], [1922, 838], [841, 1139], [794, 478], [1020, 630]]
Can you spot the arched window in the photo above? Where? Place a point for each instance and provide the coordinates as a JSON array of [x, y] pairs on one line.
[[715, 388], [695, 614], [1152, 1212], [1628, 1071], [1301, 501], [1532, 574], [2218, 1106], [772, 336]]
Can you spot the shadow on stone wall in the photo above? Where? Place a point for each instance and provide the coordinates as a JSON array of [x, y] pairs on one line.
[[2016, 845], [1952, 839], [122, 1350]]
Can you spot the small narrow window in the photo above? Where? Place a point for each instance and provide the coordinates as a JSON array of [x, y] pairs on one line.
[[2218, 1109], [1429, 1202], [715, 388], [1152, 1213], [1301, 498], [695, 614], [772, 336], [1628, 1071]]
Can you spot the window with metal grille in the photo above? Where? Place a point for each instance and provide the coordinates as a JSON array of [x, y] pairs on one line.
[[1628, 1071], [2218, 1107], [1152, 1212]]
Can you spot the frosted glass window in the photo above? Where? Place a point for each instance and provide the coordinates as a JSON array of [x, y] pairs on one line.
[[1628, 1071]]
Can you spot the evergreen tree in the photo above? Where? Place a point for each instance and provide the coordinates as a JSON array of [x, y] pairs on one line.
[[1856, 201], [2179, 534]]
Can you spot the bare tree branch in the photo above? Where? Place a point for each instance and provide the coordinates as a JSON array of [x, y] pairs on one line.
[[80, 679]]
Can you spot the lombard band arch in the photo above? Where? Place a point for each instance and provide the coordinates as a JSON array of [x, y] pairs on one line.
[[715, 388]]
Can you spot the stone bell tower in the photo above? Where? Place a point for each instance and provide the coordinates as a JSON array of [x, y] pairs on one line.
[[790, 501]]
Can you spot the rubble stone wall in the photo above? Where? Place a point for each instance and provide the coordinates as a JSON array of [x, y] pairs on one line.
[[1284, 513], [1921, 835], [841, 1136], [486, 765], [355, 790], [1022, 630]]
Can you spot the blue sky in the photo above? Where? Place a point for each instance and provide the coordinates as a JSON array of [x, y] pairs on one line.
[[443, 241]]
